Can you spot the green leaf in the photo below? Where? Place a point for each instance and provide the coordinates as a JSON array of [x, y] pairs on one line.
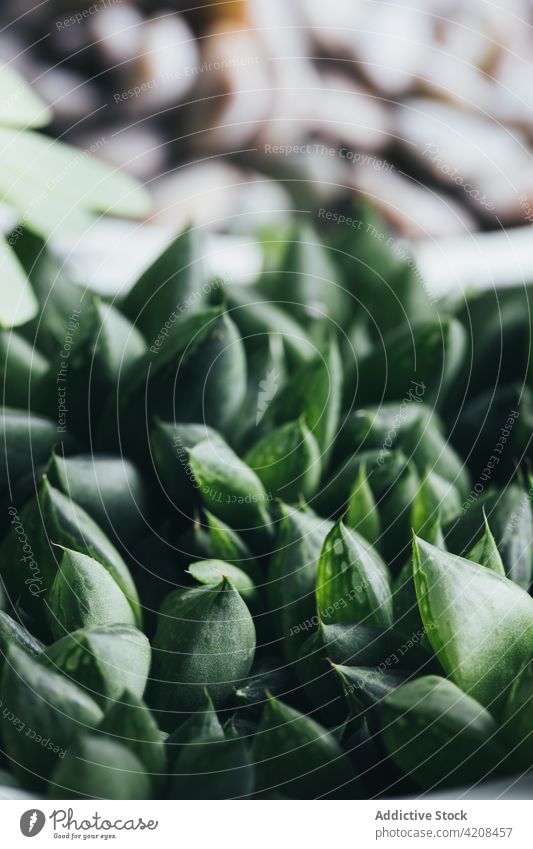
[[396, 511], [205, 638], [210, 572], [314, 393], [111, 490], [84, 594], [27, 441], [103, 660], [429, 353], [307, 283], [479, 624], [96, 767], [363, 515], [384, 426], [169, 288], [429, 449], [353, 584], [64, 172], [438, 735], [353, 645], [202, 725], [517, 718], [255, 317], [18, 303], [382, 470], [212, 539], [40, 705], [13, 633], [364, 688], [485, 552], [20, 106], [52, 517], [436, 500], [229, 489], [297, 757], [220, 769], [287, 461], [406, 613], [292, 576], [22, 371], [269, 676], [198, 376], [511, 521], [130, 723]]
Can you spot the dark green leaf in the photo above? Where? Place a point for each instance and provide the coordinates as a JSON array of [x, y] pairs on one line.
[[103, 660], [287, 461], [42, 714], [97, 767], [83, 595], [297, 757], [438, 735], [479, 624], [205, 638], [353, 584]]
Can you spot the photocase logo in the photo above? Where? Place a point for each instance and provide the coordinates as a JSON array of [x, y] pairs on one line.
[[32, 822], [267, 390]]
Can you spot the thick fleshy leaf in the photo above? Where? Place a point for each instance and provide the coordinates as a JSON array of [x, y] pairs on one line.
[[51, 519], [292, 576], [307, 283], [83, 595], [131, 724], [479, 624], [255, 316], [406, 613], [22, 371], [517, 718], [211, 572], [439, 735], [229, 489], [363, 515], [45, 706], [97, 767], [18, 303], [111, 490], [313, 393], [485, 552], [20, 106], [202, 725], [297, 757], [211, 539], [429, 353], [220, 769], [103, 660], [287, 461], [396, 511], [27, 441], [353, 583], [205, 638], [364, 687], [170, 287], [199, 375], [13, 633], [269, 677], [436, 500], [382, 469], [509, 514], [77, 176]]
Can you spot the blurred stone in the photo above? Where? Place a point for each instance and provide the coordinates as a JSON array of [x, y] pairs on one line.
[[220, 195], [412, 209]]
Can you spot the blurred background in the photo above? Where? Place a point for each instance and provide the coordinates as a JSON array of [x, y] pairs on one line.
[[237, 113]]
